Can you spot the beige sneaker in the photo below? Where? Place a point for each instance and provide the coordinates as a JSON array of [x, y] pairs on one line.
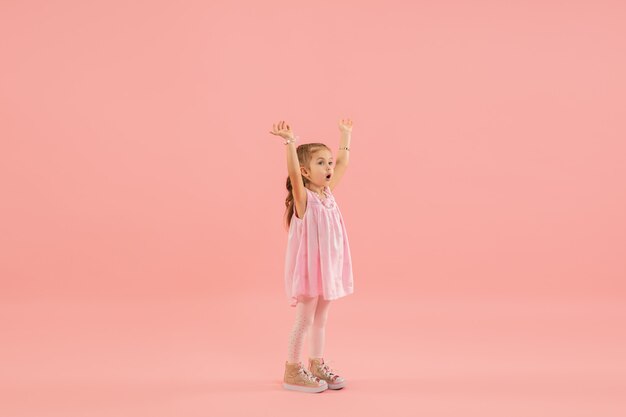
[[322, 371], [297, 378]]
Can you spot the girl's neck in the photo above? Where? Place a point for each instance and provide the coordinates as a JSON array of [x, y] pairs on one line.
[[316, 189]]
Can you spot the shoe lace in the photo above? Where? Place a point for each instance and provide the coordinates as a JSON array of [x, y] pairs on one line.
[[327, 371], [308, 375]]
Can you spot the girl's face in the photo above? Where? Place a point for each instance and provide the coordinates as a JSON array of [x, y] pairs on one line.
[[321, 168]]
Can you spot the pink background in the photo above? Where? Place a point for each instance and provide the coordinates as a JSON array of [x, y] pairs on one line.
[[141, 239]]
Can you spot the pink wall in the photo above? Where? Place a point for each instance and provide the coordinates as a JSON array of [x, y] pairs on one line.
[[142, 197], [487, 157]]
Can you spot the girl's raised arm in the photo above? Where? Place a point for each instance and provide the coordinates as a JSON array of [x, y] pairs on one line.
[[293, 165], [343, 156]]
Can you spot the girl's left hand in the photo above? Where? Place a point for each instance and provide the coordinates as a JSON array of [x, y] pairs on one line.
[[345, 125]]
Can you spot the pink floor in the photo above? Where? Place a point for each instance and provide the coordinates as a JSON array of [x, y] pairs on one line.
[[401, 357]]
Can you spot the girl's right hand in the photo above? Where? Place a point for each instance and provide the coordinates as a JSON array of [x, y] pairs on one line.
[[283, 130]]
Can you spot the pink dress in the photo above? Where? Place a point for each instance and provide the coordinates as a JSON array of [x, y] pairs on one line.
[[317, 260]]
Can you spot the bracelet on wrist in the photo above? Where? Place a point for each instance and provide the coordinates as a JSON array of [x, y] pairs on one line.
[[288, 141], [345, 147]]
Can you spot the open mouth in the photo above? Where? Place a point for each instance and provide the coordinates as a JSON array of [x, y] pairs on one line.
[[328, 177]]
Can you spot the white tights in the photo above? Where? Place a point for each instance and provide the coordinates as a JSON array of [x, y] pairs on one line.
[[311, 316]]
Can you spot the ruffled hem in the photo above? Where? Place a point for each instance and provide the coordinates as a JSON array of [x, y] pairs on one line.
[[293, 301]]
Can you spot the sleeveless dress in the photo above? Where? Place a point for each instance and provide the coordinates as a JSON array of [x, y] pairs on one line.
[[318, 261]]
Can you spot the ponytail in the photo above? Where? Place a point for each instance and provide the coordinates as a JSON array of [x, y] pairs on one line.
[[289, 203]]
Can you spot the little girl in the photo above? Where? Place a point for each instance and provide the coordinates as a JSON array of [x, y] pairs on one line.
[[318, 266]]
